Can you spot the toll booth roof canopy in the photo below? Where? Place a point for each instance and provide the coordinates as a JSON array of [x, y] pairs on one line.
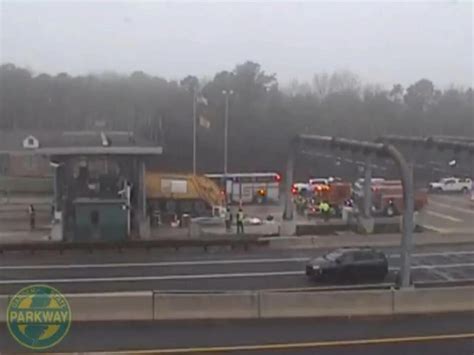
[[77, 143]]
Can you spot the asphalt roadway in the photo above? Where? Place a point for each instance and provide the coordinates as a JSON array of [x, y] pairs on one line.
[[425, 334], [216, 270], [448, 214]]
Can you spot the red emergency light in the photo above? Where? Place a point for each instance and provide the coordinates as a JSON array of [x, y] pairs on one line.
[[322, 188]]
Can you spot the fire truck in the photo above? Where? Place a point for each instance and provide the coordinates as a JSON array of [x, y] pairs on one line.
[[337, 194], [387, 199]]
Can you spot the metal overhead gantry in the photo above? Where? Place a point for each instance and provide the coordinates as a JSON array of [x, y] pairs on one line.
[[456, 138], [345, 160], [457, 145], [462, 144], [307, 143]]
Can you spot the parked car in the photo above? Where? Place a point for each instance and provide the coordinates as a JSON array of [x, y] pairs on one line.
[[349, 265], [471, 197], [451, 184]]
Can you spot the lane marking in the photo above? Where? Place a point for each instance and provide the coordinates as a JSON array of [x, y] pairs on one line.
[[422, 255], [159, 263], [444, 266], [441, 215], [451, 207], [155, 278], [201, 276], [443, 274], [286, 346], [459, 198], [437, 229], [200, 262]]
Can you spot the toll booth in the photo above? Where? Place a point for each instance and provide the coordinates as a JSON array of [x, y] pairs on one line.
[[99, 188]]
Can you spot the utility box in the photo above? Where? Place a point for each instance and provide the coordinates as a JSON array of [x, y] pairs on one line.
[[101, 219]]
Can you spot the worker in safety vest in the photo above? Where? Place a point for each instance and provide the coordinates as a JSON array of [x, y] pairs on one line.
[[325, 210], [240, 221]]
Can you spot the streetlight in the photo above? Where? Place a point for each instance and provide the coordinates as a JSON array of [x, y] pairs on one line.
[[194, 130], [226, 94]]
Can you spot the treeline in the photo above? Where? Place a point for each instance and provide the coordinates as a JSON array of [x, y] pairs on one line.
[[263, 116]]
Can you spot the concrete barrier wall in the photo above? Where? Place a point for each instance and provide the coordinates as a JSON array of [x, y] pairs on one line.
[[3, 307], [449, 299], [322, 304], [290, 242], [162, 306], [206, 306], [321, 229], [111, 306]]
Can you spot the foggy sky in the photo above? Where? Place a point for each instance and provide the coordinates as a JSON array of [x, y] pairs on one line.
[[382, 42]]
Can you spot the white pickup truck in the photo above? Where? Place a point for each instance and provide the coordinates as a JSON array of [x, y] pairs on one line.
[[472, 198], [451, 184]]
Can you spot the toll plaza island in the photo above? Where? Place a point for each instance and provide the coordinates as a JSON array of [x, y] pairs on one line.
[[83, 186], [99, 189]]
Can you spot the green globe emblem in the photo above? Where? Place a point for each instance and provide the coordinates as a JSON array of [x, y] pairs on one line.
[[38, 317]]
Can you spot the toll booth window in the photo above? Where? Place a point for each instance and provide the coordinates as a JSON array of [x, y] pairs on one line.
[[95, 218]]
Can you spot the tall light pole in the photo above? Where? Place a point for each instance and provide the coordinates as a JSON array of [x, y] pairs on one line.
[[226, 130], [226, 136], [194, 130]]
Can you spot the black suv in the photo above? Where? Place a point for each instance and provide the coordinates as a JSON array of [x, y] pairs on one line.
[[349, 264]]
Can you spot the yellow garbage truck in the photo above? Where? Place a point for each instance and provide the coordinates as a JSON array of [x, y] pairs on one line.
[[172, 195]]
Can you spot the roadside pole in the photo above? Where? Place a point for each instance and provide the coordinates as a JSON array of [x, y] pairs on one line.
[[407, 227], [226, 94], [226, 129], [368, 187], [194, 130], [288, 212]]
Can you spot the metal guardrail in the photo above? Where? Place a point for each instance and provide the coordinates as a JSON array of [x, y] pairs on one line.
[[443, 283], [283, 290], [354, 287], [244, 242]]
